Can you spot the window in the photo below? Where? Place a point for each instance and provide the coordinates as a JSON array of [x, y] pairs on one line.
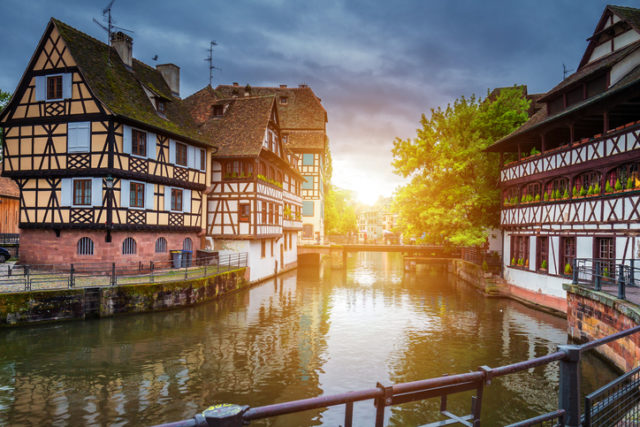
[[136, 195], [187, 244], [606, 254], [181, 154], [54, 87], [625, 175], [82, 192], [285, 138], [542, 252], [567, 252], [270, 213], [264, 212], [245, 210], [511, 196], [308, 183], [556, 189], [530, 192], [138, 143], [520, 251], [161, 245], [218, 110], [128, 246], [307, 159], [307, 231], [176, 199], [160, 105], [307, 208], [203, 159], [85, 246], [284, 100], [79, 137], [263, 249]]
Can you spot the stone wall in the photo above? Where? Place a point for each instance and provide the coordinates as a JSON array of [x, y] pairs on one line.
[[592, 315], [54, 305], [47, 247]]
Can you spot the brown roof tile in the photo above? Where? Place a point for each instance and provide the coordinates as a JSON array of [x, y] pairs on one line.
[[8, 187]]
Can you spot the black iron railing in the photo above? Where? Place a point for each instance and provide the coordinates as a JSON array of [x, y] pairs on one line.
[[9, 239], [23, 277], [617, 403], [568, 413], [606, 274]]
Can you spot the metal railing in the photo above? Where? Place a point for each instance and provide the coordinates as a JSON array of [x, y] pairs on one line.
[[606, 274], [568, 412], [9, 239], [23, 277], [616, 403]]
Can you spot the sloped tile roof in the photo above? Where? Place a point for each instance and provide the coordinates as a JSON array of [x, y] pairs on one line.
[[240, 131], [120, 90], [8, 187], [303, 109], [629, 14]]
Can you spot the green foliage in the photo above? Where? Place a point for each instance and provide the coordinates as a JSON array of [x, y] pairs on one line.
[[485, 266], [520, 262], [534, 151], [596, 189], [546, 196], [544, 264], [566, 194], [590, 191], [629, 184], [537, 198], [574, 192], [453, 196], [270, 181], [568, 269], [618, 186], [4, 100], [607, 187], [339, 211], [557, 195], [605, 272], [513, 261], [583, 191]]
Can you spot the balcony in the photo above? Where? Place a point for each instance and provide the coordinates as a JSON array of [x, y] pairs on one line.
[[621, 140], [291, 224]]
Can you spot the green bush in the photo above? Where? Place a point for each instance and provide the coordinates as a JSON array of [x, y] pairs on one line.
[[566, 194], [596, 189], [583, 191], [544, 264], [590, 191], [537, 198], [575, 191], [568, 269], [618, 186], [629, 184], [546, 196], [607, 188]]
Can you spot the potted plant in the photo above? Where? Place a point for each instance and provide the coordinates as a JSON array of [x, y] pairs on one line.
[[607, 187], [574, 192], [618, 186], [596, 189], [537, 198], [546, 197], [526, 263], [566, 194], [543, 265], [513, 261], [629, 185], [568, 269], [583, 191], [520, 262]]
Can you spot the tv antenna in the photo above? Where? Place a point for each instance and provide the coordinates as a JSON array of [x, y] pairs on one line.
[[565, 71], [209, 59], [106, 16]]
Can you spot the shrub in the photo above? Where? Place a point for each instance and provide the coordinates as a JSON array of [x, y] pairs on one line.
[[596, 189], [485, 266], [583, 191], [513, 261], [605, 272], [566, 194], [537, 199], [568, 269], [546, 196], [544, 264], [618, 186], [629, 184], [607, 187], [575, 191], [590, 191]]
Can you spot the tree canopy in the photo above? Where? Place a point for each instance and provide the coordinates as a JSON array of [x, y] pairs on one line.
[[339, 211], [453, 194], [4, 100]]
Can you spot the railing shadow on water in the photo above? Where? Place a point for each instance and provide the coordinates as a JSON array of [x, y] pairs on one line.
[[25, 277], [614, 404]]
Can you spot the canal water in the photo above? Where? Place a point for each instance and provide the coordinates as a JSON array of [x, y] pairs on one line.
[[305, 334]]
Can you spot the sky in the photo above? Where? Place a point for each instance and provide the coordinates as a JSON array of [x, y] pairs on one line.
[[376, 65]]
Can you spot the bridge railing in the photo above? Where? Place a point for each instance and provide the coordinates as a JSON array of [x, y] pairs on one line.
[[568, 412]]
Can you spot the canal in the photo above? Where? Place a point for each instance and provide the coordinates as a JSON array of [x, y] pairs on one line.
[[305, 334]]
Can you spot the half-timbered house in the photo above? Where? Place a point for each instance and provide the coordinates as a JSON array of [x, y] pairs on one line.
[[574, 189], [253, 203], [108, 161], [303, 124]]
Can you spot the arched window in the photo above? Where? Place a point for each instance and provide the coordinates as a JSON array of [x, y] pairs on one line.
[[586, 184], [531, 193], [128, 246], [161, 245], [85, 246], [625, 177], [556, 189], [187, 244]]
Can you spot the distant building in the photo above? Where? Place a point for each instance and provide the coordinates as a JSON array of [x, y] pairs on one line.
[[9, 206], [376, 224], [574, 190], [303, 125]]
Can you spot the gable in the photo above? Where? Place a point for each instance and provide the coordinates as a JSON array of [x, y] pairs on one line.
[[616, 29]]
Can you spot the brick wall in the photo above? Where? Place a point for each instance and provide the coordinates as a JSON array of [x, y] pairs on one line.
[[45, 247], [592, 315]]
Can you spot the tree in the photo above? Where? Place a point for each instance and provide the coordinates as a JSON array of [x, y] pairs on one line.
[[4, 100], [453, 194], [339, 211]]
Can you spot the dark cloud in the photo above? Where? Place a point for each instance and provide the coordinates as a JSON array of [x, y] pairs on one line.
[[377, 65]]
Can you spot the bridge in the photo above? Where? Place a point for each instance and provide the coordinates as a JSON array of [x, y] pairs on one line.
[[311, 255]]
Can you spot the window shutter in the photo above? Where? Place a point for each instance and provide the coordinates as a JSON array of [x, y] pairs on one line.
[[67, 85], [126, 139], [151, 145], [186, 201], [191, 156], [196, 158], [96, 192], [172, 151], [167, 198], [79, 137], [41, 88], [148, 195], [124, 193], [65, 192]]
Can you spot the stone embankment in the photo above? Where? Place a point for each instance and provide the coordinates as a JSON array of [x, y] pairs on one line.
[[21, 308]]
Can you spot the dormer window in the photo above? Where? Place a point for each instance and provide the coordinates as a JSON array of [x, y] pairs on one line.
[[218, 110], [160, 105], [284, 100], [54, 87]]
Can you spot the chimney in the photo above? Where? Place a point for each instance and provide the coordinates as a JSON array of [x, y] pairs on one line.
[[122, 43], [171, 74], [283, 86], [235, 84], [302, 85]]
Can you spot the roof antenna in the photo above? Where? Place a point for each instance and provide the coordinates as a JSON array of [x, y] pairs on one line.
[[565, 71], [210, 60], [106, 16]]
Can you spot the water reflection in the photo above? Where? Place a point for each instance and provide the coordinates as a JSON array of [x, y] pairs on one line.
[[295, 337]]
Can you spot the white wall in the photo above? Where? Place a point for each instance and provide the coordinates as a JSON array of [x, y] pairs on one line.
[[541, 283]]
